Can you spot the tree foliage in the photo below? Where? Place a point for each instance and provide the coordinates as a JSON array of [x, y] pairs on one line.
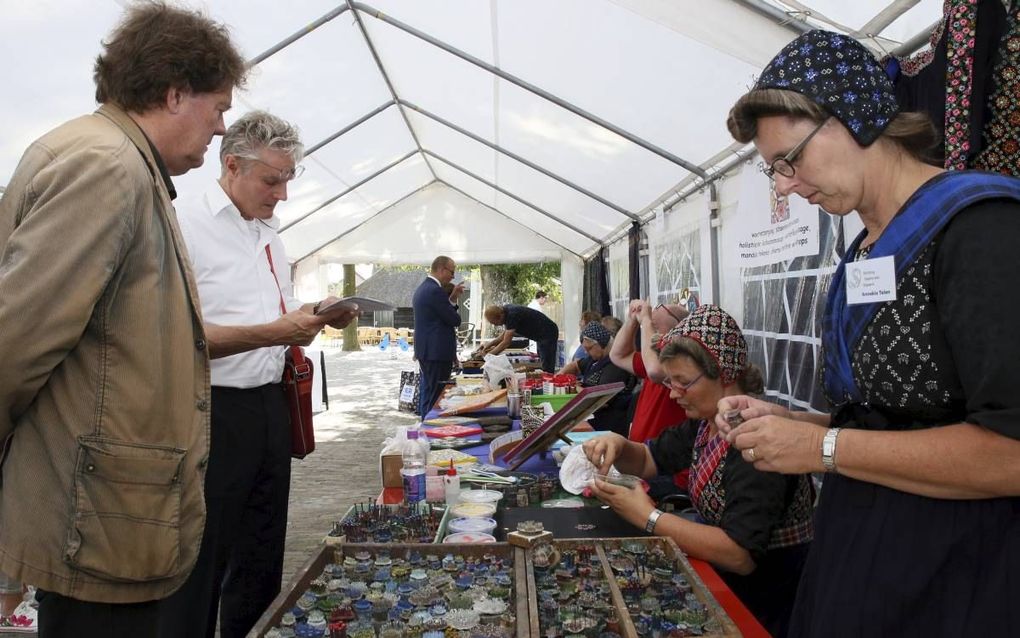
[[518, 283]]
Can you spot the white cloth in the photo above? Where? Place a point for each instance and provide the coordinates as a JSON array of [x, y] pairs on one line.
[[534, 305], [235, 285]]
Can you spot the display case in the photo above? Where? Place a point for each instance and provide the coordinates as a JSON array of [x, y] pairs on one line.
[[652, 590], [401, 590], [629, 586]]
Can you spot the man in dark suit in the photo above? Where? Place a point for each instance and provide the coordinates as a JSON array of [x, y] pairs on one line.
[[435, 320]]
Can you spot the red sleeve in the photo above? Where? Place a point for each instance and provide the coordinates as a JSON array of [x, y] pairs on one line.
[[639, 366]]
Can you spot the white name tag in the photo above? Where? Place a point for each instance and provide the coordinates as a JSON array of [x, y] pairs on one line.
[[871, 280]]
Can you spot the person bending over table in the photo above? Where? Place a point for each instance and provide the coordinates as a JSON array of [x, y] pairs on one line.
[[596, 368], [754, 527], [919, 517], [527, 323]]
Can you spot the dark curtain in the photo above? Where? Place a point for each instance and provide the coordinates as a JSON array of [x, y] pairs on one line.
[[596, 284], [634, 260]]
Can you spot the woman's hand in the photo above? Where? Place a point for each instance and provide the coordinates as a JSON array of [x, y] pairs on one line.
[[732, 411], [632, 504], [778, 444], [603, 450]]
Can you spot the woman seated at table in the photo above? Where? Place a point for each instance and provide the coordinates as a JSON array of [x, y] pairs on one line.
[[596, 368], [755, 526]]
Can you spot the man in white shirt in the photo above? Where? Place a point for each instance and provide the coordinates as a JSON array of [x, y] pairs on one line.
[[250, 318]]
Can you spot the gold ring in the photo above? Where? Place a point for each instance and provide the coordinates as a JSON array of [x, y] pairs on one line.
[[750, 453]]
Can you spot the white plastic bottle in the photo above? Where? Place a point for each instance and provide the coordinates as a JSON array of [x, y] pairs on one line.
[[451, 485], [413, 472]]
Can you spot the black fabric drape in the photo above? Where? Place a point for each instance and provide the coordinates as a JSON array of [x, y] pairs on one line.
[[634, 259], [596, 284]]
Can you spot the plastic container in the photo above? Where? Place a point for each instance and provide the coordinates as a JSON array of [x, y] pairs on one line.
[[476, 525], [451, 486], [480, 496], [413, 471], [473, 510], [469, 537]]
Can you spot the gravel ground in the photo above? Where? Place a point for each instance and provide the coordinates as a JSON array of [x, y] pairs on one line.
[[344, 469]]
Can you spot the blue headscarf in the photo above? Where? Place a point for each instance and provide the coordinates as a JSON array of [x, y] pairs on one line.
[[839, 74]]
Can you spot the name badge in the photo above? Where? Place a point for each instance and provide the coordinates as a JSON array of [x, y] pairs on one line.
[[871, 280]]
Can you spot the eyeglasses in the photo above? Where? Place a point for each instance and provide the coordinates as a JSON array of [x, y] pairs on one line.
[[685, 387], [285, 174], [784, 164], [666, 308]]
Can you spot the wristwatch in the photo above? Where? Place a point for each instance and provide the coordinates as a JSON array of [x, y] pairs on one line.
[[829, 450], [653, 518]]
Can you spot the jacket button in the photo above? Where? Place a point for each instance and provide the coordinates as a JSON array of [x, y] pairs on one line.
[[202, 405], [90, 468], [200, 344]]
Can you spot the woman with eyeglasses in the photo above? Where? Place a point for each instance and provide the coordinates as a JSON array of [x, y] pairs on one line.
[[918, 522], [754, 527], [597, 368]]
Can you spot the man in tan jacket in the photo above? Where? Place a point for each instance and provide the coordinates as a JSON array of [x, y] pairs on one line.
[[104, 392]]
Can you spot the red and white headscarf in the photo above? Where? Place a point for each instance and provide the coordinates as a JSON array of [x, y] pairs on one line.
[[719, 334]]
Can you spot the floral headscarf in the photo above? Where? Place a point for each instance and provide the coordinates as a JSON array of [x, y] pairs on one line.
[[719, 334]]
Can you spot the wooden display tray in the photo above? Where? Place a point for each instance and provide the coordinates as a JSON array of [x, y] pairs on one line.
[[727, 628], [326, 554]]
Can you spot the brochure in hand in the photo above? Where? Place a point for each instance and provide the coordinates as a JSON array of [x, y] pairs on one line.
[[364, 304]]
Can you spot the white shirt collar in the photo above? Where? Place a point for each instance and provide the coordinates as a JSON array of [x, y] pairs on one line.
[[218, 202]]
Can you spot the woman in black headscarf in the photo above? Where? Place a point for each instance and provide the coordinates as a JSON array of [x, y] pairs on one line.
[[596, 368]]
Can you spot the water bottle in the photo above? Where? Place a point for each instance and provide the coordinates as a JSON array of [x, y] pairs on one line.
[[413, 472]]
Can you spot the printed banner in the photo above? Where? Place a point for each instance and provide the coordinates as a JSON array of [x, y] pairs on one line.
[[771, 229]]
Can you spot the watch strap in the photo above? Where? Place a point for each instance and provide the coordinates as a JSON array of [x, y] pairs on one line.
[[653, 518]]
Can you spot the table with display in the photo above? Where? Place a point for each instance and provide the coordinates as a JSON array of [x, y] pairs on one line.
[[564, 523]]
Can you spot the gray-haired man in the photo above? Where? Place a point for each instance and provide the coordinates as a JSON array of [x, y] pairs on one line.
[[250, 317]]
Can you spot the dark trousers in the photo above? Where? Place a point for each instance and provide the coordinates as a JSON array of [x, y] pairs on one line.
[[429, 388], [60, 616], [547, 353], [247, 486]]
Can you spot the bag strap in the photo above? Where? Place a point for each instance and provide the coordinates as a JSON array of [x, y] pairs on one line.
[[297, 355]]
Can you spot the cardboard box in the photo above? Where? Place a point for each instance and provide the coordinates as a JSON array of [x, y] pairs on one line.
[[389, 469]]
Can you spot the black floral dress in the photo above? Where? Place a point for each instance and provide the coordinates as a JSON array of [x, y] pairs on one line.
[[767, 514], [889, 563]]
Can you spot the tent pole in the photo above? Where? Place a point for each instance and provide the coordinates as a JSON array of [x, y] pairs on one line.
[[594, 119], [362, 223], [496, 210], [353, 125], [297, 36], [512, 155], [509, 194], [348, 190], [389, 85]]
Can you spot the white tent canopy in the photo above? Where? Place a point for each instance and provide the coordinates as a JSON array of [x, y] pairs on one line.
[[499, 131], [571, 118]]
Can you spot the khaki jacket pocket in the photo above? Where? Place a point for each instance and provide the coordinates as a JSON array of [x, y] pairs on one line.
[[126, 523]]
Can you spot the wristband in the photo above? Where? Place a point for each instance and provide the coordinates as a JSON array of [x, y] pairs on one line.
[[653, 518], [829, 450]]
